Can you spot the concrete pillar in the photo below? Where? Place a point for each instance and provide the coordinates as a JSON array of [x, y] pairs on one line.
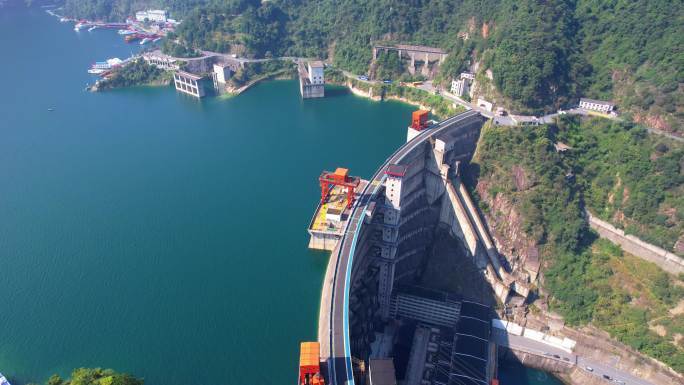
[[412, 67], [426, 65]]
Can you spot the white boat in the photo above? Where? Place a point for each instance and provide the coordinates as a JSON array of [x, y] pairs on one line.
[[63, 20], [115, 62], [92, 28], [94, 71], [3, 380], [126, 32], [78, 26], [101, 65], [144, 41]]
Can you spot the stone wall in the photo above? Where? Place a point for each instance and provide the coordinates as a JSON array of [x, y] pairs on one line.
[[668, 261]]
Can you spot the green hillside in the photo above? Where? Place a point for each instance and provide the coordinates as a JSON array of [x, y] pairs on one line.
[[543, 54]]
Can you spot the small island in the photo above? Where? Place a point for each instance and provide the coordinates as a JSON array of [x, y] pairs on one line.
[[135, 73], [94, 376]]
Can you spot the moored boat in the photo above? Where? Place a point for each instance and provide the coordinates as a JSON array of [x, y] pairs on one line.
[[3, 380]]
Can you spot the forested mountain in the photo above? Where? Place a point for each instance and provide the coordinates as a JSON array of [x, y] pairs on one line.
[[542, 54]]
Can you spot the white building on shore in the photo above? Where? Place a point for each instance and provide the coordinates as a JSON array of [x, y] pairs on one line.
[[461, 86], [156, 15], [597, 105]]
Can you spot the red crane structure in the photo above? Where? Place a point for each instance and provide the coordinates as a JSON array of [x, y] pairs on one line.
[[338, 178]]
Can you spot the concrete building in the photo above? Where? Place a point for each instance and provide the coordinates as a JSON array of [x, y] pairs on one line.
[[316, 72], [161, 61], [381, 372], [188, 83], [437, 312], [311, 80], [220, 76], [596, 105], [459, 352], [459, 87], [156, 15], [390, 233]]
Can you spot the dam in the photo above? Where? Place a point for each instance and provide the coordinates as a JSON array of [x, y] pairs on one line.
[[370, 291], [415, 287]]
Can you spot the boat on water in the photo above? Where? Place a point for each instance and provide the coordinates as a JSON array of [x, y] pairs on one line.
[[92, 28], [145, 41], [79, 26], [3, 380], [125, 32], [101, 65]]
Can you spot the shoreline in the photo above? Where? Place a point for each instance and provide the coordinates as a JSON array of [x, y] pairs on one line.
[[369, 95]]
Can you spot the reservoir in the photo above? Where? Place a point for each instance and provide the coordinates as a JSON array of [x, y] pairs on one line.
[[152, 233]]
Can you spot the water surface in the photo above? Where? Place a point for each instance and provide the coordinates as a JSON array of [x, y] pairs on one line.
[[156, 234]]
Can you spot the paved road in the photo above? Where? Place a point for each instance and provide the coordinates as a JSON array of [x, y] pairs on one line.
[[550, 352], [340, 369]]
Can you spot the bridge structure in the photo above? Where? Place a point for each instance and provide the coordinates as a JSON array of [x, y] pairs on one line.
[[415, 53], [350, 258]]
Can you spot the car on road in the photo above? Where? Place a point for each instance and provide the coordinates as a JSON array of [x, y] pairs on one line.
[[607, 377], [556, 356], [589, 369], [387, 81], [364, 78], [566, 359]]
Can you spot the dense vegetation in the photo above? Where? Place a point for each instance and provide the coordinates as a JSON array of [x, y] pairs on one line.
[[543, 54], [170, 47], [585, 279], [441, 107], [255, 71], [96, 376], [135, 73], [629, 178]]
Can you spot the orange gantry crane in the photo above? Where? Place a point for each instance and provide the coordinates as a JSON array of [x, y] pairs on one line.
[[338, 178]]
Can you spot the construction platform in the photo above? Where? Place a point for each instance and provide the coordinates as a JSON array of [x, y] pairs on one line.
[[329, 220]]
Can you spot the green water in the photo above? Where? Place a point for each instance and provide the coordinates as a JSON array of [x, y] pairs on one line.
[[156, 234]]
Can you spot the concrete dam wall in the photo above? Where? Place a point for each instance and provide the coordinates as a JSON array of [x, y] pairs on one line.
[[394, 244]]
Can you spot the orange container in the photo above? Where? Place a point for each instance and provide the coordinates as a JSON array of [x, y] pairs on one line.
[[309, 359], [419, 119], [341, 173]]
